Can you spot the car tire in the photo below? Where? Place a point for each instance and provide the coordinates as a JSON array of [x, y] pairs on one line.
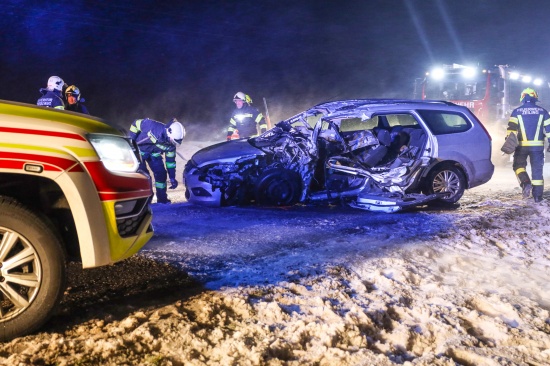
[[446, 178], [32, 273], [280, 187]]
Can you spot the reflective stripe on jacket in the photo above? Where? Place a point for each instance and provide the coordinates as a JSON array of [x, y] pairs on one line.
[[531, 123]]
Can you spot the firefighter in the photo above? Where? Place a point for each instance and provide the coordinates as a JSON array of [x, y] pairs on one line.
[[74, 99], [531, 123], [52, 96], [154, 139], [245, 120]]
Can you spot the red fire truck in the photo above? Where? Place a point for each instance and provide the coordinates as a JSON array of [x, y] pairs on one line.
[[491, 93]]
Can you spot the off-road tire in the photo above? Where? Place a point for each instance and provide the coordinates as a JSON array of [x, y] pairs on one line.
[[37, 279]]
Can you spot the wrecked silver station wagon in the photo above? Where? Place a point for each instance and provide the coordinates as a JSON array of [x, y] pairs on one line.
[[377, 155]]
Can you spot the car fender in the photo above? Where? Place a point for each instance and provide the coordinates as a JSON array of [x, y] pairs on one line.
[[459, 162]]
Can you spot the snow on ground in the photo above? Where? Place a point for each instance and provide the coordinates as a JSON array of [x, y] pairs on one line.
[[318, 285]]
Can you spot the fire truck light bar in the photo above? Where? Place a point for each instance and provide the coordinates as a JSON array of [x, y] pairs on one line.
[[468, 72]]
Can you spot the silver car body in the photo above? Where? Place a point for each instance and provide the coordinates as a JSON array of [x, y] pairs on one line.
[[340, 151]]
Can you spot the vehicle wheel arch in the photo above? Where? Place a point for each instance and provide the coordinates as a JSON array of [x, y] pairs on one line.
[[454, 168], [439, 164], [45, 198]]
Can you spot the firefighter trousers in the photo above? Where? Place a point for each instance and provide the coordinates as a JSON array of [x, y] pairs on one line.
[[536, 159], [156, 164]]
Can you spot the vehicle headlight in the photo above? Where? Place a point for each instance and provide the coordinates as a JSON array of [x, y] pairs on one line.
[[115, 153]]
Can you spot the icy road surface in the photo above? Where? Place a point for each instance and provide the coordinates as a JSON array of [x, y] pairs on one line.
[[317, 285], [238, 246]]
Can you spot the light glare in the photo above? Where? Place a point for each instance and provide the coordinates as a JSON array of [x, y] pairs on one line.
[[469, 72], [438, 73], [115, 152]]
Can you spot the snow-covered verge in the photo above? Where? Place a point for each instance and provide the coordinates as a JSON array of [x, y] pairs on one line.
[[316, 286]]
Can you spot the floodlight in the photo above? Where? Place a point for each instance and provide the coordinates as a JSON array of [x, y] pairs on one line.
[[469, 72], [438, 73]]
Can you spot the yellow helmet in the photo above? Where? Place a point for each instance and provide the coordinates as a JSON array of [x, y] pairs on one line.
[[528, 92], [74, 91]]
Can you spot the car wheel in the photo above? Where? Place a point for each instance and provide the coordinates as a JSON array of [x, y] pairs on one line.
[[32, 272], [280, 187], [447, 178]]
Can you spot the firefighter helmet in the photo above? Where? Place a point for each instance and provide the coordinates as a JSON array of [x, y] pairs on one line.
[[528, 92], [55, 83], [242, 96], [175, 131], [73, 91]]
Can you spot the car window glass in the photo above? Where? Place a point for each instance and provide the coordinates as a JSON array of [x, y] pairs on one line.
[[442, 123], [356, 124], [312, 120], [401, 120]]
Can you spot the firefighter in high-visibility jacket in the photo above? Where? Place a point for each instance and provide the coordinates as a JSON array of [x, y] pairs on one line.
[[531, 123], [246, 121], [155, 139]]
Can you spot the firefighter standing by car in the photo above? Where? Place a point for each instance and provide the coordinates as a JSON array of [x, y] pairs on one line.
[[52, 96], [531, 123], [246, 121], [154, 139], [75, 102]]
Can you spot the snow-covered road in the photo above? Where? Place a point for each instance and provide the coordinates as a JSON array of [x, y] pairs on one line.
[[321, 285]]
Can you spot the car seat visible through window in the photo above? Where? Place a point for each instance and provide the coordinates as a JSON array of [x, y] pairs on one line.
[[373, 156]]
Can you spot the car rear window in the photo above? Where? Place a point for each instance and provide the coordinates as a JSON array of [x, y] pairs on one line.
[[443, 123]]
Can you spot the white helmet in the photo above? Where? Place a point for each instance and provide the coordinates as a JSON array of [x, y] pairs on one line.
[[242, 96], [55, 83], [175, 131]]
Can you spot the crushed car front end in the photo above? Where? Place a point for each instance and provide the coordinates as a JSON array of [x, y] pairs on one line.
[[216, 175]]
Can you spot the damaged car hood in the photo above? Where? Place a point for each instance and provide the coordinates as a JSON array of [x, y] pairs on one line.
[[225, 152]]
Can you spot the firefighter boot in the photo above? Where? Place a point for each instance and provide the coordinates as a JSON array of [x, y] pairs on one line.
[[526, 190], [537, 191], [161, 196]]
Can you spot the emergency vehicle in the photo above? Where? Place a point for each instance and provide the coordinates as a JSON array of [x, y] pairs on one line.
[[491, 93], [70, 189]]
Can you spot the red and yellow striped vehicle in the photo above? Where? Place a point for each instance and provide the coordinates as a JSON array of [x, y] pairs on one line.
[[70, 189]]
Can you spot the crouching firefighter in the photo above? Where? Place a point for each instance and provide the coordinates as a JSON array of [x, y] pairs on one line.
[[531, 123], [155, 139]]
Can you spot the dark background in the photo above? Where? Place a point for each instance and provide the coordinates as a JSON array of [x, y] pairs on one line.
[[186, 59]]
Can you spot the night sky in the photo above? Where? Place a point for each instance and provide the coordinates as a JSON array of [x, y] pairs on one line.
[[136, 59]]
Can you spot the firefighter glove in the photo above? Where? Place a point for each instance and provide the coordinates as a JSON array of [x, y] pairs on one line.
[[228, 138], [173, 183]]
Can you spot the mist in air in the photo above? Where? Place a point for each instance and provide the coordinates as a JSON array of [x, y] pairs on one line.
[[137, 59]]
